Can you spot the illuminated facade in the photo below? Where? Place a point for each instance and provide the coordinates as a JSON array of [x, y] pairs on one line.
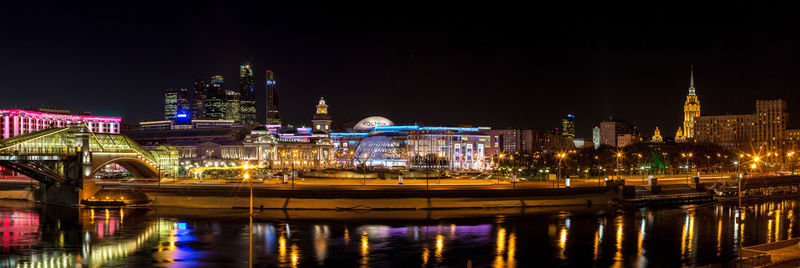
[[216, 103], [273, 108], [199, 95], [568, 126], [18, 122], [596, 137], [176, 101], [412, 147], [679, 138], [657, 136], [321, 123], [233, 106], [764, 130], [691, 109], [247, 104], [170, 103], [221, 143], [618, 133]]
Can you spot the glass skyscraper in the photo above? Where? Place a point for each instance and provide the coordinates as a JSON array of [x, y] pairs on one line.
[[247, 96], [216, 103], [273, 113], [170, 103], [198, 98]]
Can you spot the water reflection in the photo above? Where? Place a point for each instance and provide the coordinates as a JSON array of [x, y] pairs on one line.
[[43, 237]]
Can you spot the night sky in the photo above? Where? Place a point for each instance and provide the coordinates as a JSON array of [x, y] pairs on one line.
[[489, 64]]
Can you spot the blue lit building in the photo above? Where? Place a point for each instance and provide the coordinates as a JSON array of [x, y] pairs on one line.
[[376, 142]]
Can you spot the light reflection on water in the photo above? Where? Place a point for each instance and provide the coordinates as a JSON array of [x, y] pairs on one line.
[[44, 237]]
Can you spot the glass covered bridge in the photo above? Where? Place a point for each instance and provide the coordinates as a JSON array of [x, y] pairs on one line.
[[61, 157]]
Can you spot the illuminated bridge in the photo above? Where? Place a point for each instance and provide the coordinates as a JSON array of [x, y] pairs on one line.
[[65, 160]]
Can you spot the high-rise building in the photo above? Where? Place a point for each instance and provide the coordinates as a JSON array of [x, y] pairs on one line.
[[772, 117], [247, 104], [216, 103], [568, 126], [198, 98], [596, 137], [273, 110], [764, 130], [233, 106], [170, 103], [183, 103], [618, 133], [691, 108], [321, 123]]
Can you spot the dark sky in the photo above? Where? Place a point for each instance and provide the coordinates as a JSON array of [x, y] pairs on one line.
[[490, 64]]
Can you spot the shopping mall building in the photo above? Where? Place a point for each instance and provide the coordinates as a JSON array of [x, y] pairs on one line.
[[376, 142]]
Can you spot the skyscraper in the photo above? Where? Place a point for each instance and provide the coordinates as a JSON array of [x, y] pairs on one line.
[[170, 103], [568, 126], [691, 108], [596, 137], [198, 98], [273, 113], [216, 103], [183, 104], [247, 95], [233, 106]]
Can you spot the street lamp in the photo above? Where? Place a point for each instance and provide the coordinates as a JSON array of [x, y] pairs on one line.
[[246, 176], [560, 156], [687, 157], [619, 155]]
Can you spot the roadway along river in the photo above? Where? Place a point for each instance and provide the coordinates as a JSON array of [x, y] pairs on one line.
[[38, 236]]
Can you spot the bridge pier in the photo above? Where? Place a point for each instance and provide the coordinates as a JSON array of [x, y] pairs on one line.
[[58, 194]]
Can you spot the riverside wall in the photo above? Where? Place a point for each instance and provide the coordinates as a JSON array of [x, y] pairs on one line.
[[378, 199]]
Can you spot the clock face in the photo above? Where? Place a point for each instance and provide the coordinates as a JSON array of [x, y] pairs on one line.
[[317, 126], [326, 127]]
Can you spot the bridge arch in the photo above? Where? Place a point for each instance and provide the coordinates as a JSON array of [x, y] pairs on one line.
[[138, 167]]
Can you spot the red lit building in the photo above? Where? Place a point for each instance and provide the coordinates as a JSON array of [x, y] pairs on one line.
[[20, 122]]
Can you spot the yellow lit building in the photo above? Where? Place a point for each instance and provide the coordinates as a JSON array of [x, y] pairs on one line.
[[657, 136], [691, 109], [679, 136]]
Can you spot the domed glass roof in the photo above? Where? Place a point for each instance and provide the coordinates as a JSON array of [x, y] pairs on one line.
[[372, 121]]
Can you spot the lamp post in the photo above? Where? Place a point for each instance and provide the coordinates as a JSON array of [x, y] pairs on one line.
[[246, 176], [560, 156], [619, 157], [499, 165], [686, 157]]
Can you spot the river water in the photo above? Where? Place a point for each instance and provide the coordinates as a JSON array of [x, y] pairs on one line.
[[42, 236]]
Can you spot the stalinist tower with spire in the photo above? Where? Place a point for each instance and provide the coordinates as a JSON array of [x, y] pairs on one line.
[[691, 108]]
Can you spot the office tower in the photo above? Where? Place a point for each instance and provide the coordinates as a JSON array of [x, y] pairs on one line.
[[273, 110], [233, 106], [596, 137], [216, 103], [691, 108], [170, 103], [183, 103], [618, 133], [247, 103], [198, 98], [568, 126]]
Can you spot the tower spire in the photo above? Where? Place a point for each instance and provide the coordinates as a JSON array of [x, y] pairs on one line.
[[691, 81]]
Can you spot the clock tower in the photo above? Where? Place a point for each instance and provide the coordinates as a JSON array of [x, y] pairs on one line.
[[321, 124]]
